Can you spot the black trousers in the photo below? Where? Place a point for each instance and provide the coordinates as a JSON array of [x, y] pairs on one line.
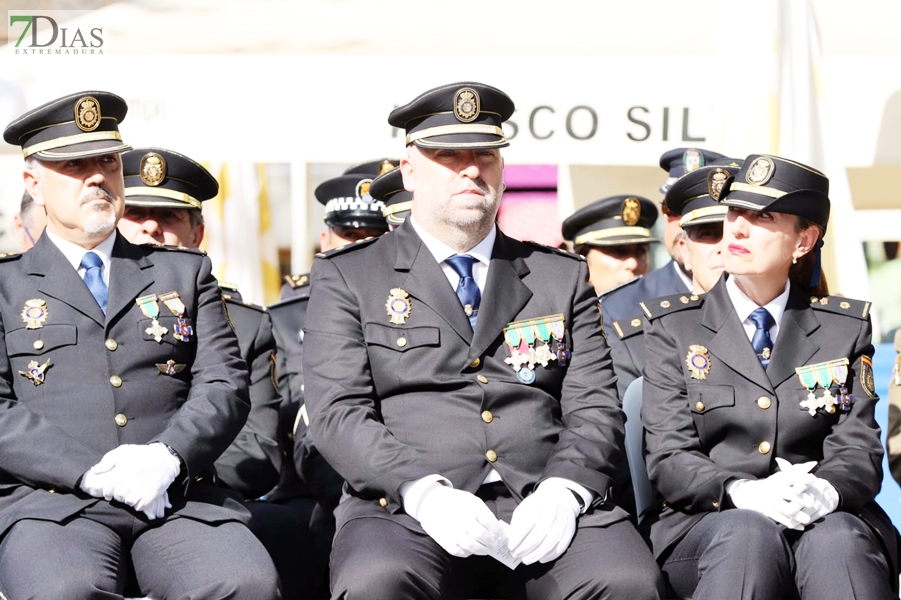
[[741, 554], [94, 555], [378, 559]]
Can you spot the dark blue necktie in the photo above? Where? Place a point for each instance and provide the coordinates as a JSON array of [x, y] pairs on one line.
[[467, 290], [762, 342], [93, 278]]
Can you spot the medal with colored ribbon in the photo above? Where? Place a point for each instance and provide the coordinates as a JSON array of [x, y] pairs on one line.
[[529, 342], [151, 310], [824, 375], [183, 331]]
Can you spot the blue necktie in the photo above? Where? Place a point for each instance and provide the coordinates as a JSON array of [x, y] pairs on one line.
[[93, 278], [762, 342], [467, 290]]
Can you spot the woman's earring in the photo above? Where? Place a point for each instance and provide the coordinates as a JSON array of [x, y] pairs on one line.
[[794, 260]]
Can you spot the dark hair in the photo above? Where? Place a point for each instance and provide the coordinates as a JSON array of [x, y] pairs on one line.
[[801, 274], [27, 203]]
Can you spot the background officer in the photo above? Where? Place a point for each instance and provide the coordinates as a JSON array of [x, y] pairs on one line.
[[164, 191], [673, 277], [693, 200], [119, 391], [614, 236], [389, 189], [421, 393], [29, 222]]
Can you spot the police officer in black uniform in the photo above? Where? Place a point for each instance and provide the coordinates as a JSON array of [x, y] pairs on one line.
[[614, 236], [389, 189], [758, 411], [164, 191], [122, 384]]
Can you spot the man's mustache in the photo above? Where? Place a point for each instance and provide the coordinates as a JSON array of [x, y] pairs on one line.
[[96, 193]]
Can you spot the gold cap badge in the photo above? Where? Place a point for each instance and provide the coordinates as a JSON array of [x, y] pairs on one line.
[[153, 169], [715, 181], [760, 171], [87, 113], [467, 105], [631, 211]]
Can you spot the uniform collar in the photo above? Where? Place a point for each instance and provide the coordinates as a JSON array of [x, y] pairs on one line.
[[744, 306], [75, 253], [441, 251]]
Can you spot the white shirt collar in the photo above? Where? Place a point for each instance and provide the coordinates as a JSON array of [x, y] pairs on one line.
[[441, 251], [75, 253], [744, 306], [689, 284]]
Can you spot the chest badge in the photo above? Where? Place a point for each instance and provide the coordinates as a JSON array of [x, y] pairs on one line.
[[35, 313], [151, 310], [170, 367], [698, 361], [825, 375], [398, 306], [35, 372], [183, 331]]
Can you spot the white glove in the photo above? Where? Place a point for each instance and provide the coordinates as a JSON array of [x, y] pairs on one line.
[[459, 521], [544, 523], [781, 497], [157, 508], [136, 475], [824, 498]]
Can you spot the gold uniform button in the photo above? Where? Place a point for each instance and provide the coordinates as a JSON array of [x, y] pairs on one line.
[[121, 420], [482, 378], [402, 342], [764, 447], [699, 406], [716, 505], [491, 455], [52, 490], [475, 363], [111, 344], [487, 416], [383, 502], [38, 344], [764, 402], [115, 381]]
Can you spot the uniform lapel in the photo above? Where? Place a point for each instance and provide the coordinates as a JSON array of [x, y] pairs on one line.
[[793, 346], [426, 282], [730, 342], [128, 276], [504, 296], [59, 280]]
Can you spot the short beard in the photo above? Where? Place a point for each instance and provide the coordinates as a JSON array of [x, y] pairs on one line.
[[102, 225]]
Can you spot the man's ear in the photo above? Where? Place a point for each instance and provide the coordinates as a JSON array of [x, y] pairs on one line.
[[406, 169], [33, 187], [198, 235]]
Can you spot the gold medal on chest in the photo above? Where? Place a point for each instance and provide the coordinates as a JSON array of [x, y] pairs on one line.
[[35, 313], [698, 361], [398, 306]]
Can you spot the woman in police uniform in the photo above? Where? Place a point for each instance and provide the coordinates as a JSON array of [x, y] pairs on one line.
[[766, 456]]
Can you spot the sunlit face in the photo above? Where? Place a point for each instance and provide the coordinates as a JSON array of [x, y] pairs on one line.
[[703, 255], [762, 244], [83, 197], [610, 266], [335, 236], [454, 189], [160, 225]]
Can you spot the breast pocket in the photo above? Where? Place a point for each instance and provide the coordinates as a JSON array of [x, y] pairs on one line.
[[395, 353], [709, 406], [33, 352]]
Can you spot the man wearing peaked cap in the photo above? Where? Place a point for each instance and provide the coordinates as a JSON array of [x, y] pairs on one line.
[[460, 454], [164, 192], [389, 189], [614, 235], [123, 383], [673, 277]]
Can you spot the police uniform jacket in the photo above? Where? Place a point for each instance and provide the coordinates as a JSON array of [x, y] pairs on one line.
[[105, 380], [732, 421], [390, 403], [251, 464], [622, 302], [626, 341]]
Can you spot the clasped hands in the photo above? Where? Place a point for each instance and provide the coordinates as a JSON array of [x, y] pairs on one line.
[[541, 529], [135, 474], [792, 496]]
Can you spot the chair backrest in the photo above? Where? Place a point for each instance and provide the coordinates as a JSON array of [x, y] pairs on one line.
[[644, 494]]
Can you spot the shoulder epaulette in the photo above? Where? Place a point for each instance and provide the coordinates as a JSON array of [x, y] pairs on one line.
[[295, 281], [237, 302], [619, 287], [287, 302], [7, 256], [841, 305], [669, 304], [555, 250], [626, 328], [197, 251], [225, 285], [348, 248]]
